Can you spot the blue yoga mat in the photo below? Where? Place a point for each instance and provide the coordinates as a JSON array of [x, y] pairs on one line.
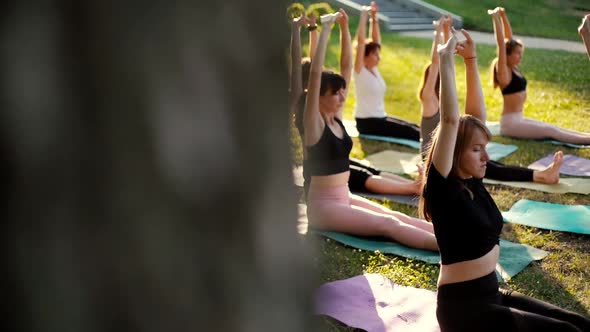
[[514, 257], [401, 141], [497, 151], [557, 217], [403, 199], [571, 145]]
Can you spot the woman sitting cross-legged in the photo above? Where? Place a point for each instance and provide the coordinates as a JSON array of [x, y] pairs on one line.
[[330, 205], [467, 224]]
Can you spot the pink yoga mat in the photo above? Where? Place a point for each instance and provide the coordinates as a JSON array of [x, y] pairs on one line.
[[376, 304]]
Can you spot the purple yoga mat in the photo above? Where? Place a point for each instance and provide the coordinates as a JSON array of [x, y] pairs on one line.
[[572, 165], [376, 304]]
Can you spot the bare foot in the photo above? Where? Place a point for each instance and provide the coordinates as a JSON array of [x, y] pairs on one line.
[[550, 175]]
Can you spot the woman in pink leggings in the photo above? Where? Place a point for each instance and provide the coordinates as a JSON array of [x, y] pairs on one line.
[[330, 205], [513, 86]]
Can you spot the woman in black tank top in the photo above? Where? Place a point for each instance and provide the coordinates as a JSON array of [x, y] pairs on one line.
[[363, 178], [330, 205], [505, 74]]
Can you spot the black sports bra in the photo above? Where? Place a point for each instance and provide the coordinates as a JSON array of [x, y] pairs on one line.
[[517, 84], [330, 154]]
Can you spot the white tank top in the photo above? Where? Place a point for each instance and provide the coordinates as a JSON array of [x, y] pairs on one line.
[[370, 93]]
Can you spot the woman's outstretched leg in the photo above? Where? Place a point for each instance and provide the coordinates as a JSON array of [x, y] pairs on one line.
[[369, 205]]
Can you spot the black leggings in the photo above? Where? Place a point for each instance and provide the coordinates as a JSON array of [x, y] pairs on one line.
[[478, 305], [388, 126], [501, 172], [359, 173]]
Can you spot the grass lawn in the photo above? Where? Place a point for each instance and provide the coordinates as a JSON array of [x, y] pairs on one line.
[[540, 18], [558, 92]]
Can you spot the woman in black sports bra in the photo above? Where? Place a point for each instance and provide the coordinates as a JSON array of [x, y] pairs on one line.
[[362, 177], [330, 205], [467, 224], [505, 74]]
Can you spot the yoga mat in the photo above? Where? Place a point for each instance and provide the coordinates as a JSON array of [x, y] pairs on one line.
[[395, 161], [403, 162], [514, 257], [494, 127], [557, 217], [571, 145], [350, 127], [565, 185], [376, 304], [572, 165], [403, 199], [497, 151]]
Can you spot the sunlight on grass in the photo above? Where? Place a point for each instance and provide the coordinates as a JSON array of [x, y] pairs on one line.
[[558, 92]]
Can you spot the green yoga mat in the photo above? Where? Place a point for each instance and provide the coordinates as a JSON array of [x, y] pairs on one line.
[[571, 145], [557, 217], [514, 257], [350, 127]]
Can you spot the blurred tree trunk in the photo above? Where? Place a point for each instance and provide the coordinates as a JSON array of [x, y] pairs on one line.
[[146, 168]]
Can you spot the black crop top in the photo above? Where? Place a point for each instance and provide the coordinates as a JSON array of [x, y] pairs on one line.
[[466, 227], [517, 84], [330, 154]]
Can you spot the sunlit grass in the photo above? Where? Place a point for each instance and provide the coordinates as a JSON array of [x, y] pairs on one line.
[[558, 92]]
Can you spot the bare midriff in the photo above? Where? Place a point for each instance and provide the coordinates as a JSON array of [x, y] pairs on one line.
[[327, 181], [514, 102], [469, 270]]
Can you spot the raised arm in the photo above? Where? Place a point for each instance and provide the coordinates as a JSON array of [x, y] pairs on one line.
[[503, 74], [474, 102], [296, 85], [427, 94], [312, 120], [361, 40], [374, 25], [584, 31], [447, 23], [505, 24], [313, 34], [345, 52], [442, 157]]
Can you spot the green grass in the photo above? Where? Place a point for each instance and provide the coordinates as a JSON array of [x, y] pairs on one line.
[[559, 92], [540, 18]]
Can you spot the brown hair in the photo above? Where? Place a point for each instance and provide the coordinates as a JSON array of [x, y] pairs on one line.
[[371, 47], [423, 82], [510, 44], [468, 124]]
